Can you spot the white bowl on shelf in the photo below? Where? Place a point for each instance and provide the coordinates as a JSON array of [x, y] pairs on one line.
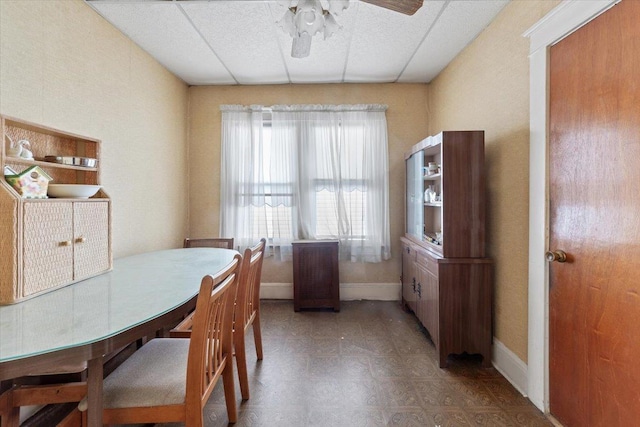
[[72, 191]]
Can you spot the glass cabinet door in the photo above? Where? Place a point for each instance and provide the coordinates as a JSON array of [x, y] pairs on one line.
[[415, 184]]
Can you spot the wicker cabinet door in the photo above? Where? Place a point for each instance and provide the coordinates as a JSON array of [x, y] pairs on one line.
[[91, 238], [47, 258]]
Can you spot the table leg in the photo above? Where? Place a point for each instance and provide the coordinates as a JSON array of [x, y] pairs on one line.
[[94, 392]]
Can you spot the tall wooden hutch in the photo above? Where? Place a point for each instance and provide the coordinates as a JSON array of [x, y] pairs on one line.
[[446, 278]]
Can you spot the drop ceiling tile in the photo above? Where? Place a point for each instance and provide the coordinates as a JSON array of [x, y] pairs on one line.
[[243, 36], [238, 41], [459, 25], [161, 29], [384, 41]]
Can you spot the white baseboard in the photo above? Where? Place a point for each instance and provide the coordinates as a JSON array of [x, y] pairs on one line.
[[348, 291], [276, 290], [510, 366]]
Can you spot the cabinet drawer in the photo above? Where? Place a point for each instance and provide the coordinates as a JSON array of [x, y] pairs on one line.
[[409, 251], [428, 261]]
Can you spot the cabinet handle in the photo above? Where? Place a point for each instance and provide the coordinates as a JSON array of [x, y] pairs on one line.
[[65, 243], [81, 239], [413, 284], [419, 290]]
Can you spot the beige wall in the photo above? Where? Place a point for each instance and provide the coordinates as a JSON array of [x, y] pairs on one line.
[[487, 87], [407, 124], [63, 66]]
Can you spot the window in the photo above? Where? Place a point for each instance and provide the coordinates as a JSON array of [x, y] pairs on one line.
[[327, 218], [307, 172], [272, 218]]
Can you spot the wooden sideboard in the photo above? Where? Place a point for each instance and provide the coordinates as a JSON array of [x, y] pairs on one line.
[[451, 297]]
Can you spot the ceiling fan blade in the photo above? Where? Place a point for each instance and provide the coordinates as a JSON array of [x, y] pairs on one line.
[[408, 7]]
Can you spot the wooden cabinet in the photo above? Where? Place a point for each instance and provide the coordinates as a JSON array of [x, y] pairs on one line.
[[49, 243], [316, 281], [446, 279]]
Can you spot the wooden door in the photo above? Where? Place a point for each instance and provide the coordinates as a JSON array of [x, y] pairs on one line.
[[594, 174], [408, 276], [431, 302]]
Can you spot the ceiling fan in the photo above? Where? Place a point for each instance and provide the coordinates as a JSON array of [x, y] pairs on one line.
[[408, 7], [306, 18]]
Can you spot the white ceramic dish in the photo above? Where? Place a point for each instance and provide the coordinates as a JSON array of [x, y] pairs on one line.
[[73, 191]]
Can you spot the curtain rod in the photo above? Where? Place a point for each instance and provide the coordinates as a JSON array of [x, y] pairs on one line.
[[304, 108]]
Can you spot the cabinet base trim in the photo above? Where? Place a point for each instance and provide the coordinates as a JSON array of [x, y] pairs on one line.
[[510, 366], [348, 291]]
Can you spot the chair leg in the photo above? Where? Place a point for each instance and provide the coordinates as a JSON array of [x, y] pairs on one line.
[[229, 391], [11, 418], [241, 361], [257, 335], [9, 414]]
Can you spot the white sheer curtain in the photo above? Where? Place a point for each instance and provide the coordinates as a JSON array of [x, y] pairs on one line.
[[240, 136], [256, 180], [313, 172]]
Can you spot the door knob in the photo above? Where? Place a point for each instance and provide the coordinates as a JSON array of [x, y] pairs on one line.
[[559, 256]]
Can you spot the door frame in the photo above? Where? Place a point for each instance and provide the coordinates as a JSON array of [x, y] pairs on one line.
[[561, 21]]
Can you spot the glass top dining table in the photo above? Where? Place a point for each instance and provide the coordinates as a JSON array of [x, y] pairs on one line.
[[87, 319]]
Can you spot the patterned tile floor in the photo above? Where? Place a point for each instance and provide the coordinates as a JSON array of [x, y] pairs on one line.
[[371, 364]]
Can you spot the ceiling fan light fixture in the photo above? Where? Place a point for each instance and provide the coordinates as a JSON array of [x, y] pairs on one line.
[[330, 25], [301, 45], [287, 24], [306, 18], [309, 19], [336, 7]]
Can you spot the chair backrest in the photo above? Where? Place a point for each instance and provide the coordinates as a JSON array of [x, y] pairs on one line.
[[209, 243], [211, 346], [248, 296]]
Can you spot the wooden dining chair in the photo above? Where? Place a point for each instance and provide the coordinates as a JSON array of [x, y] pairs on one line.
[[171, 379], [28, 395], [247, 312], [217, 242], [61, 383]]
